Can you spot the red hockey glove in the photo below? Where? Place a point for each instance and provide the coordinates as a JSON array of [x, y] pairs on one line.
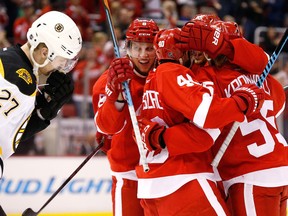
[[201, 37], [249, 98], [99, 137], [151, 134], [102, 138], [120, 70]]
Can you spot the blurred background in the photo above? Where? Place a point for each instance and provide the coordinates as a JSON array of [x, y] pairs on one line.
[[72, 133]]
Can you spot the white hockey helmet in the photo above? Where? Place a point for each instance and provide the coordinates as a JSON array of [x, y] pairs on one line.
[[61, 36]]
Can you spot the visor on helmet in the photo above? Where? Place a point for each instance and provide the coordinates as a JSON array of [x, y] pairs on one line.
[[64, 65]]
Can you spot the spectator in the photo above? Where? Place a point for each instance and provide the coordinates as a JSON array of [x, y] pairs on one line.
[[135, 6], [85, 74], [187, 11], [4, 42], [271, 40], [38, 145], [80, 17], [23, 23], [43, 7], [274, 12], [152, 9], [170, 13], [3, 16], [124, 20], [252, 17], [108, 49], [99, 40], [3, 23], [90, 5], [282, 75]]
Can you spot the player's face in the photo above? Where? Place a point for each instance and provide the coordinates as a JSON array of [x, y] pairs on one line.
[[198, 57], [186, 60], [64, 65], [142, 55]]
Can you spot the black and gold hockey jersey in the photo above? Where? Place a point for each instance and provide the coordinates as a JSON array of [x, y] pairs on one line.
[[18, 88]]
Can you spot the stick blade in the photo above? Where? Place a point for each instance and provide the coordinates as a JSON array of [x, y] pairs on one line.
[[29, 212]]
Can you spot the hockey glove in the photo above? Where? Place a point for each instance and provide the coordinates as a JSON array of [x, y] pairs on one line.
[[151, 135], [60, 87], [120, 70], [249, 98], [59, 91], [105, 139], [201, 37]]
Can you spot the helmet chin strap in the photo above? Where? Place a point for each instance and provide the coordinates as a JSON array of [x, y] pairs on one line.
[[36, 65]]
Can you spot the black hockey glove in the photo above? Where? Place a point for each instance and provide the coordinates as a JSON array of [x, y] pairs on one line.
[[59, 91]]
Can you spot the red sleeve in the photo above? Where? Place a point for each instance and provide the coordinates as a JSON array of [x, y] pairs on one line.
[[195, 101], [248, 56], [108, 119], [188, 137]]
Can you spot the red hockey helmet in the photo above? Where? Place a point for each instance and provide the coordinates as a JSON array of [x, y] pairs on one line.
[[228, 27], [142, 31], [164, 44], [206, 18]]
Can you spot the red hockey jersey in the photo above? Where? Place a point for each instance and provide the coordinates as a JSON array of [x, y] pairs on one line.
[[258, 153], [123, 154], [171, 97]]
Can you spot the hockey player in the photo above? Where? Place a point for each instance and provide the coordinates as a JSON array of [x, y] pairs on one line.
[[54, 42], [181, 180], [254, 166], [112, 114]]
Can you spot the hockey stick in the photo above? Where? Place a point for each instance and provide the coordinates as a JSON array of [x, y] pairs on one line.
[[2, 212], [30, 212], [259, 83], [127, 93]]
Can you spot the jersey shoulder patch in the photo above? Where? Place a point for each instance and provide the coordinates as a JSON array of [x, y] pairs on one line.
[[17, 72]]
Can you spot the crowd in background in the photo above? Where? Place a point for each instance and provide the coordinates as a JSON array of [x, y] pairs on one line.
[[16, 17]]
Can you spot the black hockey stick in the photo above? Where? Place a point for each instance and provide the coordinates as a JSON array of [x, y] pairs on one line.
[[2, 212], [30, 212], [259, 83], [127, 93]]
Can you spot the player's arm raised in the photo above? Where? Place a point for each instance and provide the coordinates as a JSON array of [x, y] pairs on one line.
[[56, 93], [109, 116], [222, 38]]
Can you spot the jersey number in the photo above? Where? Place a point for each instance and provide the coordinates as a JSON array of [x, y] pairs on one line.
[[250, 127], [5, 96]]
